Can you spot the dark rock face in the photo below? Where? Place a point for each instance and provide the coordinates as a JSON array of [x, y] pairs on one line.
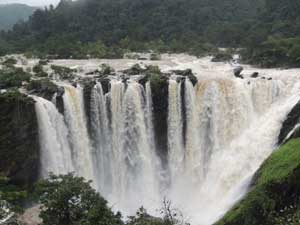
[[187, 73], [237, 71], [44, 88], [289, 124], [87, 91], [160, 114], [19, 143], [255, 75]]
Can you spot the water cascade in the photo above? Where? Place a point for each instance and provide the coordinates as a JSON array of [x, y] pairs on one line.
[[220, 130], [53, 133], [76, 121]]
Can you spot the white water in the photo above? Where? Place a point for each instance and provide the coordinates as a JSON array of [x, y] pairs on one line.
[[76, 121], [232, 126], [55, 149], [175, 138], [100, 135]]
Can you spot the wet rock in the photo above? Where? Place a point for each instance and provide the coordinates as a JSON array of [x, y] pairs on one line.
[[255, 75], [44, 88], [134, 70], [237, 71], [289, 124], [187, 73]]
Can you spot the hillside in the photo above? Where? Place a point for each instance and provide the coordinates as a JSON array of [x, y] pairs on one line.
[[268, 30], [274, 196], [174, 25], [10, 14]]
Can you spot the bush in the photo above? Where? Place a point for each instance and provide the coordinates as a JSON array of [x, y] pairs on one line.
[[38, 70], [69, 200], [222, 56], [10, 62], [63, 72], [13, 77]]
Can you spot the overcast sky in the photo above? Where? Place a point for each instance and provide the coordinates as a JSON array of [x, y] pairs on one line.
[[31, 2]]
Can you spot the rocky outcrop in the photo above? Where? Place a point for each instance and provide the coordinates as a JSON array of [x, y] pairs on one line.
[[19, 143], [289, 129], [237, 72], [44, 88], [159, 87]]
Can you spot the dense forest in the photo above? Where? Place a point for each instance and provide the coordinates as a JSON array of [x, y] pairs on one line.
[[266, 30], [10, 14]]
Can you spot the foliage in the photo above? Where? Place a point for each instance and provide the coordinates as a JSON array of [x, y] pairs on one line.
[[275, 193], [276, 52], [63, 72], [80, 29], [10, 193], [9, 62], [106, 70], [13, 77], [43, 87], [19, 155], [38, 70], [143, 218], [70, 200], [222, 56]]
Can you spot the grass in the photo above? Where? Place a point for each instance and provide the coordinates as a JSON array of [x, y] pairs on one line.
[[276, 186]]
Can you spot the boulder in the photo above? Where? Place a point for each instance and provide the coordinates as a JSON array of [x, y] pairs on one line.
[[237, 71], [255, 75]]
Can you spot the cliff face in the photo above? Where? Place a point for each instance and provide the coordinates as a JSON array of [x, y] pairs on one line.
[[19, 145], [288, 127]]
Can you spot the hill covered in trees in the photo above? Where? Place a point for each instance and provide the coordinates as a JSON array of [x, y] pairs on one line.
[[267, 29], [10, 14]]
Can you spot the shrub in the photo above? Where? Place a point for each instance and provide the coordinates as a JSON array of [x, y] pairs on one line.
[[69, 200], [13, 77]]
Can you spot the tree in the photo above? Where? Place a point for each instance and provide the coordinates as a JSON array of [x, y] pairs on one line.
[[69, 200]]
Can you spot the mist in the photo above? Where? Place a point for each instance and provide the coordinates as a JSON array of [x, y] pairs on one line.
[[31, 2]]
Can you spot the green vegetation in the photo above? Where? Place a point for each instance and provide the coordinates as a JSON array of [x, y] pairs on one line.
[[222, 56], [71, 200], [13, 77], [19, 145], [276, 51], [63, 72], [81, 29], [43, 87], [266, 30], [39, 71], [274, 198]]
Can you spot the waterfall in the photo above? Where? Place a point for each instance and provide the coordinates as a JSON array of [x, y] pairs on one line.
[[55, 149], [175, 139], [137, 184], [101, 143], [220, 130], [231, 128], [76, 121]]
